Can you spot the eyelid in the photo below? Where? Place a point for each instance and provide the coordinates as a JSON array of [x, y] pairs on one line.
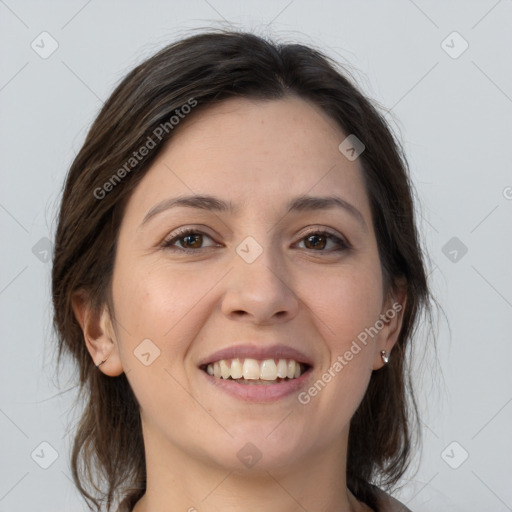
[[315, 228]]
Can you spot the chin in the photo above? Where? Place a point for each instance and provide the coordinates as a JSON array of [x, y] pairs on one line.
[[260, 447]]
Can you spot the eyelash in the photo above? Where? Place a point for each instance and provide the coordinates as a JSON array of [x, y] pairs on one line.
[[168, 243]]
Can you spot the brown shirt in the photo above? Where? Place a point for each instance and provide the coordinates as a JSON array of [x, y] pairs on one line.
[[387, 503]]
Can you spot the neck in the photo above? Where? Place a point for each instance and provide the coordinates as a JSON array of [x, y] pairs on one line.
[[180, 481]]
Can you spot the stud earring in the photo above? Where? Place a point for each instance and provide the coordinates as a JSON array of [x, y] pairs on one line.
[[384, 356]]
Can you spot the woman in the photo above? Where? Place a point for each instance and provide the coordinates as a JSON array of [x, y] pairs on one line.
[[237, 276]]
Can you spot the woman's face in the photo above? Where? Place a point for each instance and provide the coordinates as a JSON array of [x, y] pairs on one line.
[[256, 284]]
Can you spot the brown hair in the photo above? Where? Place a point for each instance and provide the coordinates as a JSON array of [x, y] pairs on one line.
[[108, 459]]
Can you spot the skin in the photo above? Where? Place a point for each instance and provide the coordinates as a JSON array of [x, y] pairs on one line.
[[258, 155]]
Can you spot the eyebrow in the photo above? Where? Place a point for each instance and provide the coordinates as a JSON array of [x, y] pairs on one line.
[[298, 204]]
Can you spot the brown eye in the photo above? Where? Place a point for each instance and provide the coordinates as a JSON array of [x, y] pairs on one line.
[[190, 240], [318, 240]]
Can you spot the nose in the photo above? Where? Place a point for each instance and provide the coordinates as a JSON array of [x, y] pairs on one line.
[[259, 292]]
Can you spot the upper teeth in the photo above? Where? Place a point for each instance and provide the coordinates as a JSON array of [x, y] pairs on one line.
[[254, 369]]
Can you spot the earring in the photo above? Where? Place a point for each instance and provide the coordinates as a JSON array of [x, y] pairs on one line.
[[384, 356]]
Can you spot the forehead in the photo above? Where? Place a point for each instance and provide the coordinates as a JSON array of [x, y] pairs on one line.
[[254, 151]]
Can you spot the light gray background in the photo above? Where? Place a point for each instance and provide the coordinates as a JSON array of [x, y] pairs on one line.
[[454, 116]]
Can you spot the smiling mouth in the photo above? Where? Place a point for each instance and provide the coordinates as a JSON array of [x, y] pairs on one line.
[[254, 371]]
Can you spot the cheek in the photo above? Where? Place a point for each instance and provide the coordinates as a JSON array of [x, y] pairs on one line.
[[345, 302], [153, 301], [165, 305], [342, 316], [153, 311]]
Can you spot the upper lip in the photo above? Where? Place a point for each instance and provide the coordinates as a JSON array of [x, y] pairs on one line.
[[257, 352]]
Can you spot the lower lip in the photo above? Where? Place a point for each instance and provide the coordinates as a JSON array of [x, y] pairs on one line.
[[259, 392]]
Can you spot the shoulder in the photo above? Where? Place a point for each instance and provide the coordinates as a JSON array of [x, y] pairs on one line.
[[387, 503]]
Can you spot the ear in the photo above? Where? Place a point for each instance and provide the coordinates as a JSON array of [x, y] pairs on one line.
[[392, 317], [99, 335]]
